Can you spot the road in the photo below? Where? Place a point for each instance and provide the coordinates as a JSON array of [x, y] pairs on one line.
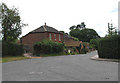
[[61, 68]]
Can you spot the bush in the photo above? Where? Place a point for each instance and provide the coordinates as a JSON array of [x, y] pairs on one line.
[[47, 47], [94, 43], [11, 49], [84, 50], [109, 47]]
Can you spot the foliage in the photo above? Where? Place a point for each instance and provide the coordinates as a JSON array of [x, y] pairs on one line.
[[62, 31], [47, 47], [112, 30], [83, 50], [76, 39], [13, 58], [72, 27], [75, 33], [11, 23], [94, 43], [109, 47], [11, 49], [84, 35], [79, 26]]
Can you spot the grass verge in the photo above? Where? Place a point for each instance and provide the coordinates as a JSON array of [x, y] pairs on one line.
[[13, 58], [46, 55]]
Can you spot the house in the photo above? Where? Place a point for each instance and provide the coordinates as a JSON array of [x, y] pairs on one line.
[[39, 34], [69, 43]]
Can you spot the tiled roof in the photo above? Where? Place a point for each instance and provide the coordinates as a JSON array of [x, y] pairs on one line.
[[45, 28], [67, 36], [72, 43]]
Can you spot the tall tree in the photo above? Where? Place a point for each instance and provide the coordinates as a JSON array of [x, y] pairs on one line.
[[78, 26], [83, 25], [112, 30], [72, 27], [84, 35], [11, 23]]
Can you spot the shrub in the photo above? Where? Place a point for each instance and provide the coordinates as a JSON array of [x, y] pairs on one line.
[[83, 50], [109, 47], [47, 47], [94, 43], [11, 49]]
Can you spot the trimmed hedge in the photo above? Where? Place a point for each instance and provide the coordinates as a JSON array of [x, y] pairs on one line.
[[48, 47], [109, 47], [11, 49]]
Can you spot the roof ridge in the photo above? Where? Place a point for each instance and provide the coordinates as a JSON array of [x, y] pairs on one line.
[[44, 28]]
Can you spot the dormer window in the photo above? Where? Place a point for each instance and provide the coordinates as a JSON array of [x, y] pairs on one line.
[[50, 36], [55, 36]]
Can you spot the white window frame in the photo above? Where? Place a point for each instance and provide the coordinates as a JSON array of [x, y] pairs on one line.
[[50, 36], [59, 37], [55, 36]]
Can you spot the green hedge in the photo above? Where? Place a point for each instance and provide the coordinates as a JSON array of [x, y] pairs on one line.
[[109, 47], [48, 47], [11, 49], [94, 43]]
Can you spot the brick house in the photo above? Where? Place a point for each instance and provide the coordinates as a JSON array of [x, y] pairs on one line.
[[39, 34]]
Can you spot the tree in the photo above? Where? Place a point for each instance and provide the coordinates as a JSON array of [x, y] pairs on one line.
[[79, 26], [84, 35], [75, 33], [83, 25], [62, 31], [11, 23], [72, 27], [112, 30]]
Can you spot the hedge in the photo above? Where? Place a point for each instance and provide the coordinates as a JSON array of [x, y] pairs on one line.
[[47, 47], [11, 49], [109, 47]]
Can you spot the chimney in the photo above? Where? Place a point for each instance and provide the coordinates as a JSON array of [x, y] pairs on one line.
[[45, 27], [45, 24]]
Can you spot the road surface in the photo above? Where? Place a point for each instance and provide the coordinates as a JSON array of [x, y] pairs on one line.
[[61, 68]]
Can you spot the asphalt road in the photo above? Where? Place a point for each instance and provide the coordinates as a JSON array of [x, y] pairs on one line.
[[61, 68]]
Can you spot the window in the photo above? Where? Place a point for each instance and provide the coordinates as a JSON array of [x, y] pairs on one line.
[[55, 36], [59, 38], [50, 36]]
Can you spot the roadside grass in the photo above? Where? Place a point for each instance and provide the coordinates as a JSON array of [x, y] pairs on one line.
[[47, 55], [12, 58], [0, 60]]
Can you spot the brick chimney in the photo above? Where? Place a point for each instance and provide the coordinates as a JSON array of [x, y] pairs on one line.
[[45, 24], [45, 27]]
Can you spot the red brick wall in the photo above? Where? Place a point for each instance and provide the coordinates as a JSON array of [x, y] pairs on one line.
[[32, 38], [57, 37]]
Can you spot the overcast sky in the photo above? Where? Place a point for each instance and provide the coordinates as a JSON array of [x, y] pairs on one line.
[[62, 14]]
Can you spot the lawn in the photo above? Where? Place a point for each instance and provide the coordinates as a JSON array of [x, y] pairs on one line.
[[12, 58]]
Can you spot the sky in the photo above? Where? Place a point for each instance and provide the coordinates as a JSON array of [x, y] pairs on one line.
[[62, 14]]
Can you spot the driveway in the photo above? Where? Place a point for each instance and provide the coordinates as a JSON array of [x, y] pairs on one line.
[[61, 68]]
